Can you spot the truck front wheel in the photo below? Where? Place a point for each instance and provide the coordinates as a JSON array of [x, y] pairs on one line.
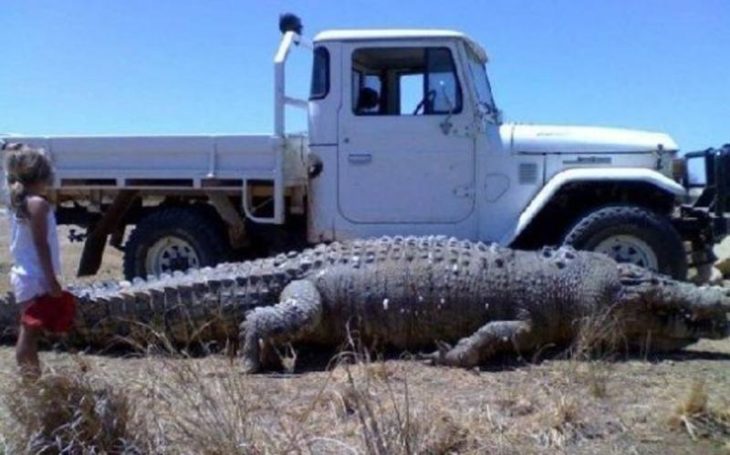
[[171, 239], [632, 234]]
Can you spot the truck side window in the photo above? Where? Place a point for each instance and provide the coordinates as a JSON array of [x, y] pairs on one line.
[[320, 74], [405, 81]]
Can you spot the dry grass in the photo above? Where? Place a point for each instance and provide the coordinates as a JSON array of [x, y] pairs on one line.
[[387, 420], [594, 351], [197, 411], [181, 406], [701, 420], [178, 405], [66, 412], [223, 413]]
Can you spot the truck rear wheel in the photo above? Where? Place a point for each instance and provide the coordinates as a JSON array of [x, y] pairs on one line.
[[171, 239], [632, 234]]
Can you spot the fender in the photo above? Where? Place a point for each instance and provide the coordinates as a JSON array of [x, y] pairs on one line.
[[561, 179]]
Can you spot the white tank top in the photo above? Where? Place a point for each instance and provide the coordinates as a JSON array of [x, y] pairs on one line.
[[22, 248]]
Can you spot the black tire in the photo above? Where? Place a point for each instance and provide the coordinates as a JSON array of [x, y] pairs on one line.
[[196, 226], [653, 229]]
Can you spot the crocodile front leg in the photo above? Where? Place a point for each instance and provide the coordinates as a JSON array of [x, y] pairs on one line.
[[299, 312], [492, 338]]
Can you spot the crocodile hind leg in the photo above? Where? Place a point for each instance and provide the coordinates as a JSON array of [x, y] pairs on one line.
[[492, 338], [299, 311]]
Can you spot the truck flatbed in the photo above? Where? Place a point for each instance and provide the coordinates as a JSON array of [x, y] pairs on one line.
[[172, 162]]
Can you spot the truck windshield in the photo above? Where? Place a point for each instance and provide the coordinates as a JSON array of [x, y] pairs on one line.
[[481, 84]]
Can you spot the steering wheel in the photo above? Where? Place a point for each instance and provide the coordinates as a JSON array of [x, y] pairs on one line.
[[430, 96]]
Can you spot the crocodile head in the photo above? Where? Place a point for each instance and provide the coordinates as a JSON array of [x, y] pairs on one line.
[[664, 314]]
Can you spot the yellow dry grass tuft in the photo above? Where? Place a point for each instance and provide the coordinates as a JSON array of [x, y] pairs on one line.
[[595, 348], [386, 417], [701, 420], [359, 407], [66, 412], [205, 412]]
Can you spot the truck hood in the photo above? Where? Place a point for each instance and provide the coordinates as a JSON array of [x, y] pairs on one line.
[[581, 139]]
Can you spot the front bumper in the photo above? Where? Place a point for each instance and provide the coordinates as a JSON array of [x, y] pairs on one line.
[[710, 190], [704, 217]]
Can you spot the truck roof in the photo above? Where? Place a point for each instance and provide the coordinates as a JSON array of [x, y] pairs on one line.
[[391, 34]]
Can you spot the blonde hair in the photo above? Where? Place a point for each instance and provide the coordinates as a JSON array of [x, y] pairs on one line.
[[24, 166]]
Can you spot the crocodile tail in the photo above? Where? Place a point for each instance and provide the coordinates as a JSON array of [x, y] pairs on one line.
[[171, 311]]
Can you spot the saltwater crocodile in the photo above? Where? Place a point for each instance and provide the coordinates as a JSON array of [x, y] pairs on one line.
[[406, 293]]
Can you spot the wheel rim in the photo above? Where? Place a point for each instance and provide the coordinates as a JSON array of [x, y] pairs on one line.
[[627, 248], [170, 254]]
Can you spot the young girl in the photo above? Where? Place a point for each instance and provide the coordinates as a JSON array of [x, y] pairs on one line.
[[34, 246]]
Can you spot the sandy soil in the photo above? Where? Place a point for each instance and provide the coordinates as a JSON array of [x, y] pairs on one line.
[[629, 405]]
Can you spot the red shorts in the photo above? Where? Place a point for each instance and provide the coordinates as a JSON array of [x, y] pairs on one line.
[[55, 314]]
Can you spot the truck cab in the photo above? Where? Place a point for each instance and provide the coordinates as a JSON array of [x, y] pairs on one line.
[[405, 138], [419, 147]]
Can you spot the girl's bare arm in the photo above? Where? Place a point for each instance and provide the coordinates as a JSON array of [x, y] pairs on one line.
[[38, 209]]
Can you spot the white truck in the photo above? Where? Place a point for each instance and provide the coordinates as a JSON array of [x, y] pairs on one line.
[[404, 138]]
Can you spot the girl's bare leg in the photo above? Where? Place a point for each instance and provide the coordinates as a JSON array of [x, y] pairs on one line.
[[26, 352]]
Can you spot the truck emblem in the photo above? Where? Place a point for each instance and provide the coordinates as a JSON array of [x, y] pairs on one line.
[[589, 160]]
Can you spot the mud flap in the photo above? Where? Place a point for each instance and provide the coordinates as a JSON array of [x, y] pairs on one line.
[[97, 237]]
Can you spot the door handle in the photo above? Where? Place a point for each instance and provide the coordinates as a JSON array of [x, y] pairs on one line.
[[359, 158]]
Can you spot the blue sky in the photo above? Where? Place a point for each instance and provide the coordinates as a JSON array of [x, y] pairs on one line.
[[183, 66]]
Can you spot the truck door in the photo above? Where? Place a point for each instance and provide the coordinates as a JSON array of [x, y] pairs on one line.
[[403, 155]]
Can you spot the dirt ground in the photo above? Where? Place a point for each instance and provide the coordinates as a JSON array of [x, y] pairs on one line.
[[559, 405]]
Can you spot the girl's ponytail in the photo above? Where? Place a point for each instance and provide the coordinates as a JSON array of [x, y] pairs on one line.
[[17, 194]]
